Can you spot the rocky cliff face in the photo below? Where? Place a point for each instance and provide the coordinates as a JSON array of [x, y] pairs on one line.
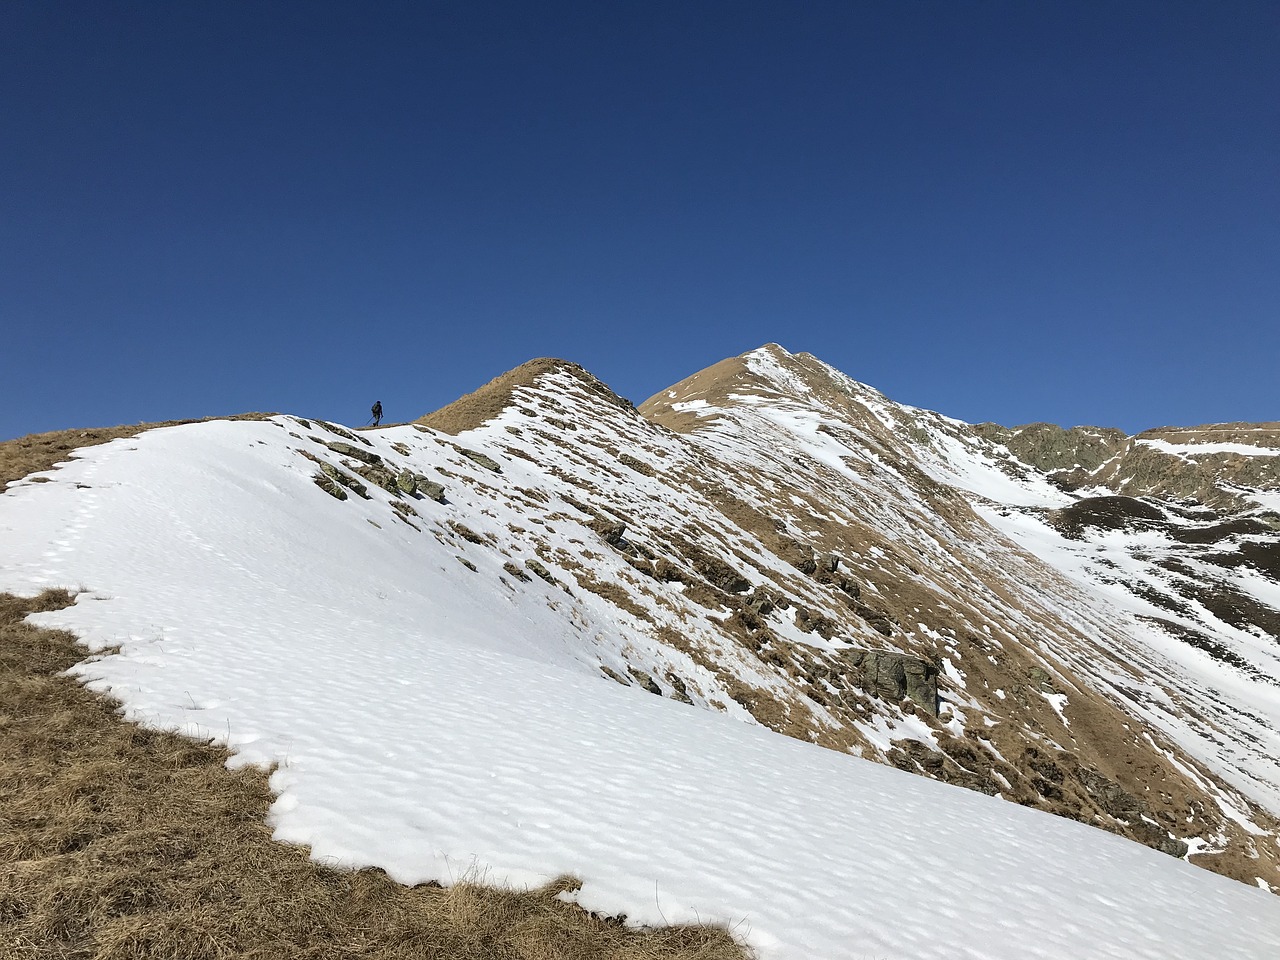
[[1228, 466], [784, 543]]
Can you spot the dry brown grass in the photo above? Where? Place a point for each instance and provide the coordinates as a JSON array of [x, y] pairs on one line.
[[121, 842], [492, 399], [42, 451]]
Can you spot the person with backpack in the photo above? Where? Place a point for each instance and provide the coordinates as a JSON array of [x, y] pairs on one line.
[[377, 412]]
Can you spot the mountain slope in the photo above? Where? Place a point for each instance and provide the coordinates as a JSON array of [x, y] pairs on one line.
[[433, 630], [1101, 716]]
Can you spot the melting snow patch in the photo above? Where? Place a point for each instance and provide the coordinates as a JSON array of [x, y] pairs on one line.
[[1058, 701]]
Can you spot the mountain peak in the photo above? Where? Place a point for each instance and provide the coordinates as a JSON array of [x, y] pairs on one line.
[[769, 372], [483, 404]]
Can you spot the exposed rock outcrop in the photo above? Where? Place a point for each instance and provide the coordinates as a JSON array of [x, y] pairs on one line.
[[896, 677]]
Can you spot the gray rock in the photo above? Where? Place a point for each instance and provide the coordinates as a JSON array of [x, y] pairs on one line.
[[645, 681], [379, 476], [431, 489], [347, 450], [329, 486], [761, 602], [896, 677], [612, 532], [484, 460], [540, 570]]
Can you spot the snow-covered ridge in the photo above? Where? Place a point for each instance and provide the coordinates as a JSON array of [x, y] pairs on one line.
[[898, 470], [461, 684]]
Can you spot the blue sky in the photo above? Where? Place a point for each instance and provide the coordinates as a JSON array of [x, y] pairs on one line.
[[1003, 211]]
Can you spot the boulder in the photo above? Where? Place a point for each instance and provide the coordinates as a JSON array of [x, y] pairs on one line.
[[430, 489], [483, 459], [329, 486], [355, 453], [896, 677], [716, 572], [612, 532], [541, 571], [379, 476], [761, 602]]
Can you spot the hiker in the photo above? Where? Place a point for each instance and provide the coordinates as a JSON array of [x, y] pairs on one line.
[[377, 412]]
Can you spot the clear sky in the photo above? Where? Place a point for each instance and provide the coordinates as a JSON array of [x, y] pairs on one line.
[[1004, 211]]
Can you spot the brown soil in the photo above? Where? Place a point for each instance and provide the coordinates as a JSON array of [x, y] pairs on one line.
[[37, 452], [122, 842]]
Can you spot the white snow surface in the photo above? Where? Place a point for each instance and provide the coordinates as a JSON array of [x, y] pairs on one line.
[[438, 729]]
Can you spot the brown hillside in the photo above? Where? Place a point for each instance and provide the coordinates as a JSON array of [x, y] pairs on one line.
[[490, 400]]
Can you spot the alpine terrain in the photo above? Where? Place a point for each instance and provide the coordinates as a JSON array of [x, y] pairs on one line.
[[707, 653]]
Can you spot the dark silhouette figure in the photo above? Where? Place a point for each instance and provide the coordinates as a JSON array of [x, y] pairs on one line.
[[377, 412]]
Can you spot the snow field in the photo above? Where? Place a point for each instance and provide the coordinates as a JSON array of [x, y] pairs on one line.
[[430, 721]]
